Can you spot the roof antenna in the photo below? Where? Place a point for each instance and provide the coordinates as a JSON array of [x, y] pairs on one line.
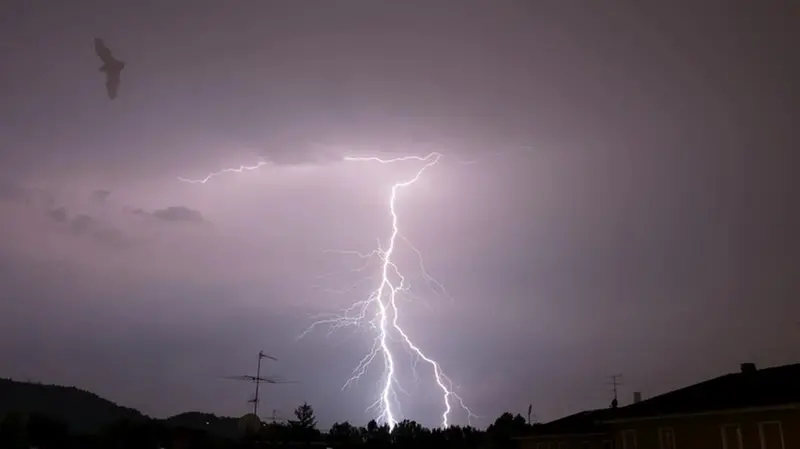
[[615, 383], [258, 380]]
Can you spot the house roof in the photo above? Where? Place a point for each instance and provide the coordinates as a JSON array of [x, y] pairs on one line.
[[589, 421], [750, 388]]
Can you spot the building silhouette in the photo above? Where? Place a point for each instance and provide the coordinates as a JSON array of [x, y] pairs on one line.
[[750, 409]]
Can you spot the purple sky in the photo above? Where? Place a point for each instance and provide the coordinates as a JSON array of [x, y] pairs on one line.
[[631, 210]]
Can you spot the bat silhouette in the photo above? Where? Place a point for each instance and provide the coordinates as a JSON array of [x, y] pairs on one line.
[[112, 67]]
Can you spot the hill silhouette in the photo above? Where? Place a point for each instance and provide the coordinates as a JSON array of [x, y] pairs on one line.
[[81, 410]]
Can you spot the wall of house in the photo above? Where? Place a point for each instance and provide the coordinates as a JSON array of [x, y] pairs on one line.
[[593, 441], [705, 432]]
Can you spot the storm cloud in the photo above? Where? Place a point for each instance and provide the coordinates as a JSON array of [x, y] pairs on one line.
[[178, 213]]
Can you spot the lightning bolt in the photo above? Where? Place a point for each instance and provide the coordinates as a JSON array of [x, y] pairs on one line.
[[240, 169], [380, 311]]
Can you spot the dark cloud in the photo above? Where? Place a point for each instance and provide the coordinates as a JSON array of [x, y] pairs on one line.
[[34, 197], [100, 196], [179, 214], [58, 215], [84, 225]]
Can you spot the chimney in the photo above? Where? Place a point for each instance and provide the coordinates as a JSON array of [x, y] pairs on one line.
[[748, 367], [637, 397]]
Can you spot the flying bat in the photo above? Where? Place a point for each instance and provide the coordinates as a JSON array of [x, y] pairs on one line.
[[112, 67]]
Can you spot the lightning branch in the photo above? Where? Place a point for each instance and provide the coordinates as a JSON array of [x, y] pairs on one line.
[[380, 310]]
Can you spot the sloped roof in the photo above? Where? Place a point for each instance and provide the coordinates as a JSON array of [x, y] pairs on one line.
[[757, 388], [589, 421]]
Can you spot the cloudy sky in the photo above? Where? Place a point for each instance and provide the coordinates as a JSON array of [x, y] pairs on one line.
[[630, 209]]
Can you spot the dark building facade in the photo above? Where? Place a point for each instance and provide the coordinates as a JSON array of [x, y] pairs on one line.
[[584, 430], [750, 409]]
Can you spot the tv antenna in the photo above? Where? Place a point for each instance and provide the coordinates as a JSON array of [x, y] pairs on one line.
[[615, 383], [530, 413], [258, 380], [275, 417]]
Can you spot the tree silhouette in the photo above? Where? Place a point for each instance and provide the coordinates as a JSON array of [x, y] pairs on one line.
[[376, 436], [504, 428], [305, 417], [304, 429], [409, 434], [344, 435]]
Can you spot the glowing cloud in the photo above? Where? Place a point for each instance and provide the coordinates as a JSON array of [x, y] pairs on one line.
[[380, 309]]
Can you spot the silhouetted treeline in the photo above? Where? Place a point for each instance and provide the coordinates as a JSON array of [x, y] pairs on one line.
[[221, 426], [23, 431], [410, 434], [45, 416]]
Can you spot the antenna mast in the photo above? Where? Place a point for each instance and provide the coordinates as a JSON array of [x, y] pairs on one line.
[[275, 417], [261, 355], [615, 383], [258, 380]]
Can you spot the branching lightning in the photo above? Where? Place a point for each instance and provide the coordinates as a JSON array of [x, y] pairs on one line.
[[240, 169], [380, 310]]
